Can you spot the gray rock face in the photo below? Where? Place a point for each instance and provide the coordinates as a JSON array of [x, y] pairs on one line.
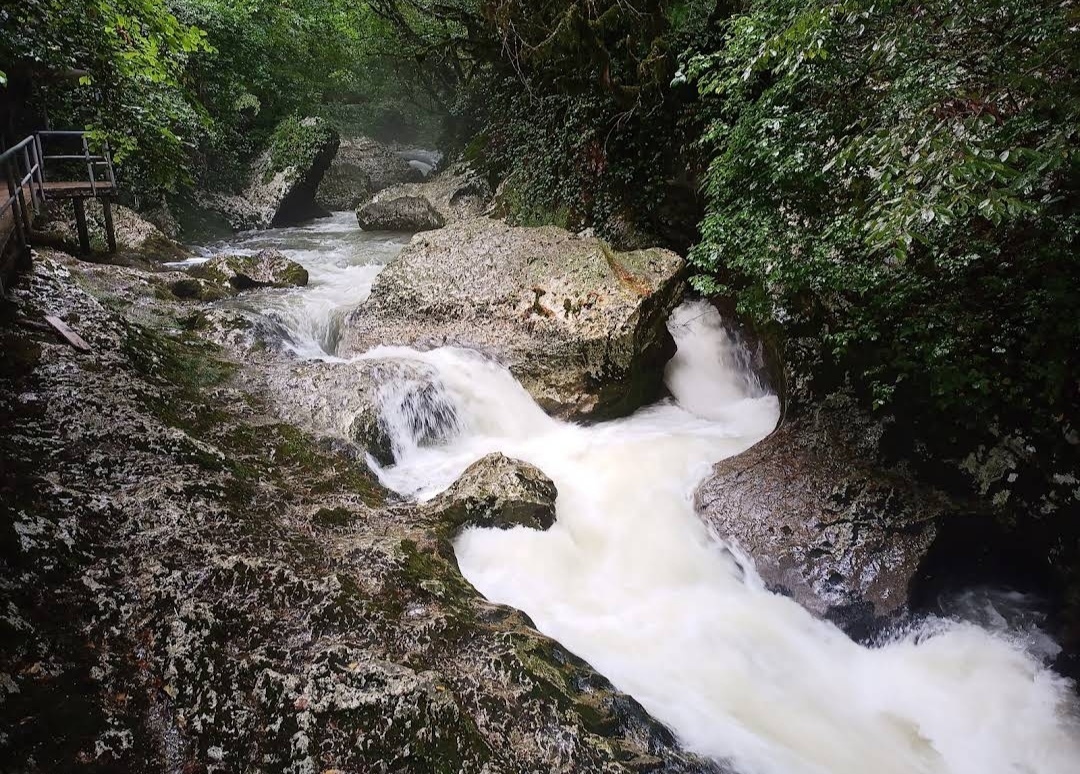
[[384, 405], [241, 332], [265, 269], [497, 492], [283, 181], [843, 538], [580, 326], [361, 168], [191, 584], [401, 213], [456, 194]]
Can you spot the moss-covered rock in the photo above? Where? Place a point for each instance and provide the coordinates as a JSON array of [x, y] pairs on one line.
[[265, 269], [191, 584], [284, 178], [497, 492]]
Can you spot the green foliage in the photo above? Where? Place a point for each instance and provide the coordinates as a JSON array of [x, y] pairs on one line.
[[900, 179], [573, 101], [187, 91], [115, 66], [295, 142]]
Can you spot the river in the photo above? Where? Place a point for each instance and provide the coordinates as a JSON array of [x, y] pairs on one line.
[[629, 579]]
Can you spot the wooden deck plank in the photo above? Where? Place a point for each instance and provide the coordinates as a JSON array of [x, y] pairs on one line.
[[71, 189], [71, 336]]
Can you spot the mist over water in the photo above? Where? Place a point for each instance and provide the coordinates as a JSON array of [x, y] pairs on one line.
[[629, 578]]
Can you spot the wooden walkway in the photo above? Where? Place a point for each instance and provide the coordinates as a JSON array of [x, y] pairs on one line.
[[26, 167]]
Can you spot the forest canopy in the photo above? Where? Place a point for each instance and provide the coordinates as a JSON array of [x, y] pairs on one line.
[[897, 180]]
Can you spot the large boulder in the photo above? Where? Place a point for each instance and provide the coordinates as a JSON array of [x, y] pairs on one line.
[[284, 178], [580, 326], [402, 213], [822, 522], [497, 492], [361, 168], [265, 269], [459, 193]]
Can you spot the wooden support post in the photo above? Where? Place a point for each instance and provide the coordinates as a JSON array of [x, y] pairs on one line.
[[110, 228], [24, 211], [80, 223]]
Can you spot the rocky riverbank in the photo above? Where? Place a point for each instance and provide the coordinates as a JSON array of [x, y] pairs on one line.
[[193, 583]]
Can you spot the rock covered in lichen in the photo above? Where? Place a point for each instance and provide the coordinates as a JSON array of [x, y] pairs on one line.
[[265, 269], [399, 213], [582, 327], [192, 584], [384, 405], [497, 492], [284, 179]]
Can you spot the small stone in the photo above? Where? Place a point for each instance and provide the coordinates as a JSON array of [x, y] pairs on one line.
[[498, 492]]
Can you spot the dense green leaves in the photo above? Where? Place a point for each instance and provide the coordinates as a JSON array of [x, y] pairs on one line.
[[186, 91], [901, 179]]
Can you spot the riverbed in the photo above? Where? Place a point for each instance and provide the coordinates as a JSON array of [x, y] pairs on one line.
[[629, 579]]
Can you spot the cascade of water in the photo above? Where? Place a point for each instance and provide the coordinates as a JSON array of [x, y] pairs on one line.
[[629, 579]]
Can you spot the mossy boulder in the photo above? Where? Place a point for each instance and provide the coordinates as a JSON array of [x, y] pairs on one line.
[[265, 269], [497, 492], [401, 213], [581, 326], [284, 179]]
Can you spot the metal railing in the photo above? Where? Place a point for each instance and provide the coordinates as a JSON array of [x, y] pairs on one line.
[[92, 161], [21, 167]]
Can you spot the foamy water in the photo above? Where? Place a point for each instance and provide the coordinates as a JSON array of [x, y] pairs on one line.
[[629, 579], [342, 263]]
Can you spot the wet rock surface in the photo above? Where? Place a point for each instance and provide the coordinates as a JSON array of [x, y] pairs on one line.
[[360, 168], [399, 213], [380, 404], [498, 492], [580, 326], [265, 269], [823, 524], [192, 584]]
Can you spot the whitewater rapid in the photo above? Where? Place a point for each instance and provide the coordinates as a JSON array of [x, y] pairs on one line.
[[629, 579]]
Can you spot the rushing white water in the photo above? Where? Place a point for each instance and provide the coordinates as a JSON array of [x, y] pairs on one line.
[[629, 579], [342, 263]]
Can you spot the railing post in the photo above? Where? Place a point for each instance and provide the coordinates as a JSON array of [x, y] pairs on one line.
[[109, 164], [41, 161], [89, 165], [27, 160], [16, 201]]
